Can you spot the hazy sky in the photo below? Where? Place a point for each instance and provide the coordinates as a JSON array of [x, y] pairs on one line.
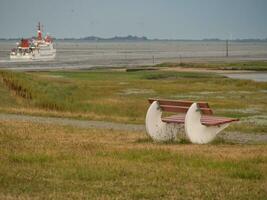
[[172, 19]]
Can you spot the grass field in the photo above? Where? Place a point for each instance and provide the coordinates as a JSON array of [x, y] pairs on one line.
[[45, 161], [122, 96], [60, 162]]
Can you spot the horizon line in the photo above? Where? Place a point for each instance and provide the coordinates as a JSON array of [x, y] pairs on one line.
[[135, 37]]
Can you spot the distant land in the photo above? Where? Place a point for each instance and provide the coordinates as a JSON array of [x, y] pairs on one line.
[[116, 38], [131, 38]]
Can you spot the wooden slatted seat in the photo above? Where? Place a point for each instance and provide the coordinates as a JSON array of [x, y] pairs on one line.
[[179, 119], [178, 106], [207, 120], [181, 106], [201, 126]]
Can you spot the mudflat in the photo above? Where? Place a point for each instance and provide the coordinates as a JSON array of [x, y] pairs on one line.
[[82, 54]]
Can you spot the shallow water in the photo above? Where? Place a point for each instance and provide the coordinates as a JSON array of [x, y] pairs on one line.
[[90, 54], [261, 77]]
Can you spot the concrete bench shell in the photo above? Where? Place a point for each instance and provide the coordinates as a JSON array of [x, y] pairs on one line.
[[201, 126]]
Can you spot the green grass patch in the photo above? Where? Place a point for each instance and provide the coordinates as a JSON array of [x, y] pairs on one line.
[[249, 175], [246, 65], [122, 96], [180, 75], [30, 158]]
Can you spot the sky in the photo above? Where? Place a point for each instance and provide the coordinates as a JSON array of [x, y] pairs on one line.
[[161, 19]]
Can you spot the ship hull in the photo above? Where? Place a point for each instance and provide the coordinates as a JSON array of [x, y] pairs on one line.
[[20, 57], [35, 55]]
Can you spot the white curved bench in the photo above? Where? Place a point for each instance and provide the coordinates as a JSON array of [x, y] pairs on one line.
[[201, 126]]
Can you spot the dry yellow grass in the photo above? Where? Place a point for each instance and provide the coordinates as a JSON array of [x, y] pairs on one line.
[[62, 162]]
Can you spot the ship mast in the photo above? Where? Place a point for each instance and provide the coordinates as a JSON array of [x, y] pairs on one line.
[[39, 32]]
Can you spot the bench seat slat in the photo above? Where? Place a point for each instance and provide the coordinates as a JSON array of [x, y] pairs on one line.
[[182, 109], [181, 106], [170, 108], [178, 102], [207, 120], [174, 119]]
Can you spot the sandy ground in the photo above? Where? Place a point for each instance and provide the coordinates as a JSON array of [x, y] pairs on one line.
[[234, 137]]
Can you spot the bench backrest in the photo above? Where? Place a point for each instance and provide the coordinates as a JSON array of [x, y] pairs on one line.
[[180, 106]]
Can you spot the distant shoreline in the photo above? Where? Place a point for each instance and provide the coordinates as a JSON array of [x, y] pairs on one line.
[[131, 38]]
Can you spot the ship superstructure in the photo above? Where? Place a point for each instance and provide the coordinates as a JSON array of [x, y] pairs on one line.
[[38, 48]]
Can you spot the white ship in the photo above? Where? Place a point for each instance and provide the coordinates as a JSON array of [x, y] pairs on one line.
[[34, 49]]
